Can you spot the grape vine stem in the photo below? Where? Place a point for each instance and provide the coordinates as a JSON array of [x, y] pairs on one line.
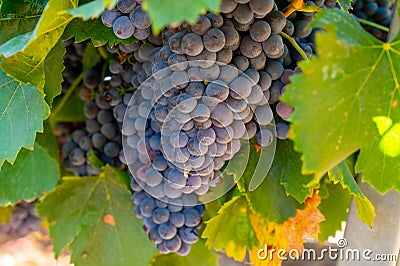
[[65, 98], [295, 45], [372, 24]]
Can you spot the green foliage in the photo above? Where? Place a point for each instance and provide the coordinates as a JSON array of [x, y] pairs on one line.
[[92, 9], [93, 217], [25, 62], [23, 110], [69, 110], [343, 173], [95, 161], [18, 17], [342, 94], [25, 180], [290, 163], [95, 31], [47, 141], [91, 57], [345, 4], [335, 203], [199, 256], [269, 200], [163, 13], [53, 67], [231, 230]]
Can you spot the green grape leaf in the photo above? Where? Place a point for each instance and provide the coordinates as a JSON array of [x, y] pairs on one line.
[[53, 68], [90, 57], [92, 9], [25, 62], [348, 102], [22, 111], [231, 230], [95, 161], [94, 218], [94, 30], [67, 109], [270, 199], [291, 178], [25, 180], [334, 206], [47, 141], [18, 17], [199, 255], [163, 13], [343, 173]]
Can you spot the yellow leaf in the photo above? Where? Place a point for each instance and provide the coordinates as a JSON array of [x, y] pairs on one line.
[[284, 237]]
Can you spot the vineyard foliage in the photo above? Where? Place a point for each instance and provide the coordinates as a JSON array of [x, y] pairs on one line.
[[345, 129]]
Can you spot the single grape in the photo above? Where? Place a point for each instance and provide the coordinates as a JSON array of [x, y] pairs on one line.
[[284, 110], [263, 114], [282, 130], [276, 20], [139, 18], [240, 88], [265, 137], [192, 44], [214, 40], [243, 14], [232, 37], [77, 157], [222, 115], [302, 29], [250, 48], [161, 215], [217, 90], [274, 69], [273, 47], [111, 149], [85, 143], [174, 244], [152, 177], [92, 126], [241, 62], [109, 130], [261, 7], [189, 235], [201, 26], [147, 206], [167, 230], [123, 27], [260, 31], [91, 79], [228, 6], [90, 110], [142, 34]]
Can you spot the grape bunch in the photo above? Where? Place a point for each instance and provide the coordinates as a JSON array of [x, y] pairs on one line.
[[378, 11], [200, 90], [128, 19], [186, 120], [101, 135]]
